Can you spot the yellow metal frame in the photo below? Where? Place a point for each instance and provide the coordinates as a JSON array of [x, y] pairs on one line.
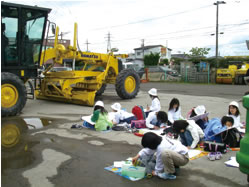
[[77, 86]]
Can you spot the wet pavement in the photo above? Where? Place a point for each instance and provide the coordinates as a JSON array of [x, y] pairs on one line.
[[47, 152]]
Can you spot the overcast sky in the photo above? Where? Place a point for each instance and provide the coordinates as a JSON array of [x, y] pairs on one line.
[[179, 24]]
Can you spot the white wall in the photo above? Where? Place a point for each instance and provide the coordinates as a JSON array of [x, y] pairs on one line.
[[139, 52]]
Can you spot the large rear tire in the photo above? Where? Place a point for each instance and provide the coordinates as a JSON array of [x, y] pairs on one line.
[[241, 81], [127, 84], [13, 94]]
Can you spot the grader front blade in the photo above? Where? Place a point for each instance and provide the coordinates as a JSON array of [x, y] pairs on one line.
[[76, 87]]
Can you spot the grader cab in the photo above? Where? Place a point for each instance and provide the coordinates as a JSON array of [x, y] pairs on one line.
[[90, 74], [23, 31]]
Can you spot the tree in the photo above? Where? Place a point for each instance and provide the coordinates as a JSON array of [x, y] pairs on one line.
[[164, 61], [151, 59], [199, 52]]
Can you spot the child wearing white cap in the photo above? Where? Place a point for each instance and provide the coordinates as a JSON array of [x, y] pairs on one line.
[[155, 104], [233, 111], [200, 115], [121, 116], [100, 117]]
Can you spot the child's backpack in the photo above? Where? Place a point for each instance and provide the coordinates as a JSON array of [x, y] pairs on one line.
[[138, 124], [231, 137], [138, 112], [144, 115]]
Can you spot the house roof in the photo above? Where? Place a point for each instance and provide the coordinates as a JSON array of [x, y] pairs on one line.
[[150, 47]]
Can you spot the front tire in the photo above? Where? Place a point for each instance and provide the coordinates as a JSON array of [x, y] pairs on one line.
[[101, 90], [127, 84], [13, 94]]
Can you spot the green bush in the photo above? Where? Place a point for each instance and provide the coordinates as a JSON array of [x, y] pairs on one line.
[[152, 59]]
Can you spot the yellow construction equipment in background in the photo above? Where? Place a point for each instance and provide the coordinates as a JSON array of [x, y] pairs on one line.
[[232, 74], [88, 78]]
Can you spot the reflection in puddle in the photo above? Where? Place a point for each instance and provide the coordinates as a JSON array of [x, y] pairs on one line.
[[16, 144], [37, 123]]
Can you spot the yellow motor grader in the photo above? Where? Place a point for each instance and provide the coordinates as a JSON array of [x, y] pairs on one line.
[[22, 56], [89, 75]]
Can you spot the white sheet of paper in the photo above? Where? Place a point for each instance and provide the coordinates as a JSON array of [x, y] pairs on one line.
[[88, 119], [242, 130], [118, 164], [193, 153], [158, 132], [232, 162]]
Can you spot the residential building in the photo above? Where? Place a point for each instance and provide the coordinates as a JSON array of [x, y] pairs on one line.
[[164, 52]]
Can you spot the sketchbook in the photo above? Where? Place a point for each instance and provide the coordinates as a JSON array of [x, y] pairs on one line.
[[196, 118], [88, 119], [223, 130]]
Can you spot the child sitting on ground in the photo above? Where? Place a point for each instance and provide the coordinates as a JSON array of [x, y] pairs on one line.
[[174, 112], [155, 104], [156, 119], [100, 117], [190, 133], [119, 115], [199, 114], [170, 154], [233, 111], [216, 126]]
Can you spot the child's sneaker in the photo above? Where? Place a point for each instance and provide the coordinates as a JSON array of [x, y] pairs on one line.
[[212, 156], [218, 156], [166, 176]]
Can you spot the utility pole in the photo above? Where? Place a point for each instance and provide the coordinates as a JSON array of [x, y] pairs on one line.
[[87, 45], [217, 29], [142, 47], [108, 42]]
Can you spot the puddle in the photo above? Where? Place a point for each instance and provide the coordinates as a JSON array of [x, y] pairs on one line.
[[16, 143]]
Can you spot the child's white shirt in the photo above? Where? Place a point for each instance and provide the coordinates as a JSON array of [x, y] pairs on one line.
[[174, 115], [150, 118], [196, 132], [236, 119], [166, 144], [155, 105]]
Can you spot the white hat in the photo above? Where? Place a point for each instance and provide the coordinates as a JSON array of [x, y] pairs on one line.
[[234, 103], [153, 91], [199, 110], [116, 106], [99, 103]]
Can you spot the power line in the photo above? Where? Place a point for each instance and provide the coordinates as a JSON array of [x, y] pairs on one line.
[[152, 19]]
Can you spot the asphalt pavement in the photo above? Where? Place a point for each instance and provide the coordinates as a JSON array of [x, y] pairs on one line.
[[50, 153]]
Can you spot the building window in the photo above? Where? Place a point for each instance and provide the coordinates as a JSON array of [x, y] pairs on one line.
[[138, 53]]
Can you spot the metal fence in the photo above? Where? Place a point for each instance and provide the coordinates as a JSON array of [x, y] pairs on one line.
[[197, 74], [188, 73]]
